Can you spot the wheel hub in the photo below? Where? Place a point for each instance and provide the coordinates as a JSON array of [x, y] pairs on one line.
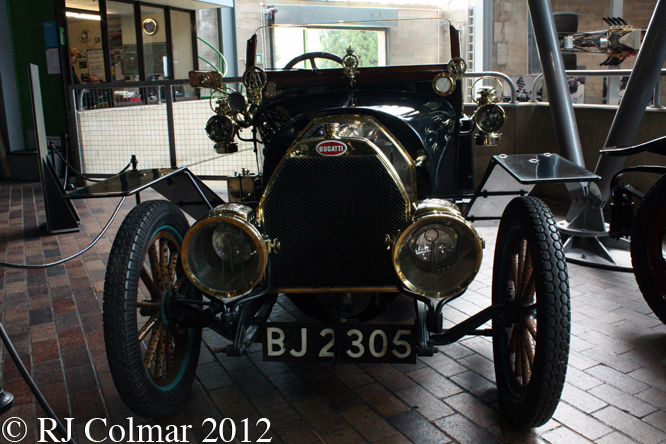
[[166, 307]]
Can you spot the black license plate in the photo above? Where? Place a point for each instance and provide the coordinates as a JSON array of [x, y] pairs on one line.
[[361, 343]]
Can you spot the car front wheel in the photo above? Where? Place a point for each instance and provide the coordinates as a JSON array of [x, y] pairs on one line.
[[531, 337], [152, 360]]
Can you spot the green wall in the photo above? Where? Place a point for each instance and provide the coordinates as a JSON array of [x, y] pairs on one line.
[[26, 21]]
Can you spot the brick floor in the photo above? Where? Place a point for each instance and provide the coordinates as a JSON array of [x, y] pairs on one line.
[[615, 390]]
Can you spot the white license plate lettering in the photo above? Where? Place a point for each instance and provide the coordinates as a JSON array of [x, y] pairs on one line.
[[359, 342], [326, 350]]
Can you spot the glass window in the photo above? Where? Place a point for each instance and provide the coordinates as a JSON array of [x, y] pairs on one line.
[[86, 53], [208, 41], [533, 61], [122, 41], [181, 36], [90, 5], [154, 43], [369, 45]]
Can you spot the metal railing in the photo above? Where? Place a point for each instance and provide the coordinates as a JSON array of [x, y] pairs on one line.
[[538, 81], [161, 122], [220, 58], [507, 79]]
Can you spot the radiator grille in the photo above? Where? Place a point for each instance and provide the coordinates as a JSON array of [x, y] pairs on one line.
[[331, 216]]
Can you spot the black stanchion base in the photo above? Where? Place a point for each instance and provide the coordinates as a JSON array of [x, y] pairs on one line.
[[6, 401]]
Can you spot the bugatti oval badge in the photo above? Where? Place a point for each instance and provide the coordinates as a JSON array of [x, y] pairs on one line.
[[331, 148]]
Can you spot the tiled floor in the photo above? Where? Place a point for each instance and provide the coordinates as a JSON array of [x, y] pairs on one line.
[[615, 391]]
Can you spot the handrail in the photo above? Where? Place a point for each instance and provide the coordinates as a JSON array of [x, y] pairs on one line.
[[502, 76], [145, 83], [220, 57], [538, 80]]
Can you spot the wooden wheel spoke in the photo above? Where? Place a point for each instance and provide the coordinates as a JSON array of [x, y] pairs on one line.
[[512, 285], [170, 351], [527, 279], [512, 341], [518, 358], [529, 292], [515, 266], [171, 268], [526, 371], [531, 327], [152, 346], [179, 283], [155, 265], [148, 304], [159, 358], [147, 327], [150, 285], [529, 349], [522, 248], [164, 261]]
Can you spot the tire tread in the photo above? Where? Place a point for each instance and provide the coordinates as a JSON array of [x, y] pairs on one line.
[[119, 312], [538, 404]]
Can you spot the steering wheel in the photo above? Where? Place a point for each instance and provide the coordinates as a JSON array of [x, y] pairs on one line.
[[311, 56]]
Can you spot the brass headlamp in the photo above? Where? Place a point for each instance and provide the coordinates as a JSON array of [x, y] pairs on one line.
[[438, 253], [232, 110], [224, 254]]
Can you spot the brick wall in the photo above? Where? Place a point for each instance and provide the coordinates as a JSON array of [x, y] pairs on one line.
[[510, 35]]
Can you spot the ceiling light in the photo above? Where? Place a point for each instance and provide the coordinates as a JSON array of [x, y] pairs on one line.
[[83, 16]]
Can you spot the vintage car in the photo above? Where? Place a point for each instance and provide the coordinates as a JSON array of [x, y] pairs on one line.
[[365, 190]]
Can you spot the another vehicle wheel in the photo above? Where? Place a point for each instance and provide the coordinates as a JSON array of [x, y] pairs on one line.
[[566, 23], [531, 338], [648, 255], [152, 360]]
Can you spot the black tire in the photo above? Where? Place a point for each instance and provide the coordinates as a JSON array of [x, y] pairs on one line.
[[530, 278], [141, 271], [647, 252], [566, 22], [311, 56]]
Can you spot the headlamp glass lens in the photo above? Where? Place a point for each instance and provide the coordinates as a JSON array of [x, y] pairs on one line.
[[434, 247], [223, 257], [490, 118], [438, 258], [220, 129], [232, 245]]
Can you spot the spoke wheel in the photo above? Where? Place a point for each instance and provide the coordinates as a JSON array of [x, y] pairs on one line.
[[531, 338], [152, 359], [648, 255]]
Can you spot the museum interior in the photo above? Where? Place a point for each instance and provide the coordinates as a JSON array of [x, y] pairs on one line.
[[328, 221]]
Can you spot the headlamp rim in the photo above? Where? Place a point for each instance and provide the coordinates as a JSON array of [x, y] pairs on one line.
[[244, 225], [436, 216], [442, 92], [212, 121], [485, 108]]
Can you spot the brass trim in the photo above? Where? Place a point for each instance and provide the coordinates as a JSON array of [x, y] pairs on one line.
[[448, 91], [241, 220], [206, 79], [338, 290], [360, 146], [484, 108], [428, 211]]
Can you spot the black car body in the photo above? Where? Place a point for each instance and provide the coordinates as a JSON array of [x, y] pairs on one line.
[[365, 192]]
